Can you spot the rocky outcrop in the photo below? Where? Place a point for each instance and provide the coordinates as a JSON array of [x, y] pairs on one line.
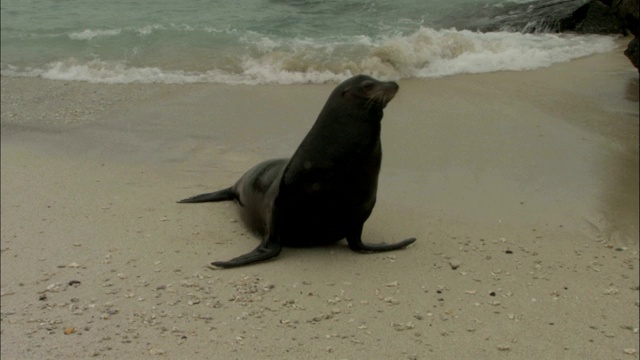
[[533, 17], [581, 16], [613, 17], [632, 52], [629, 15], [596, 17]]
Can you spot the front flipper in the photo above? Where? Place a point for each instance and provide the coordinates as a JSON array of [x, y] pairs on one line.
[[356, 244], [265, 251], [220, 195]]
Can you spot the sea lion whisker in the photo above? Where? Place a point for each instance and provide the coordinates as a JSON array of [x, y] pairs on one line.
[[369, 103], [376, 97]]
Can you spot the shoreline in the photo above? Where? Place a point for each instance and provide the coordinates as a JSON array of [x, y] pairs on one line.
[[525, 181]]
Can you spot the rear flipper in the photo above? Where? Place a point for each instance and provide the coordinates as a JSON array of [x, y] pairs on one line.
[[265, 251], [220, 195]]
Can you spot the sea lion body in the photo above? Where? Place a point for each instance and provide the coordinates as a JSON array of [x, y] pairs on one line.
[[327, 190]]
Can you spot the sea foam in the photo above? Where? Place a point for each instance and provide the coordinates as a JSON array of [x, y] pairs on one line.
[[89, 34], [261, 59]]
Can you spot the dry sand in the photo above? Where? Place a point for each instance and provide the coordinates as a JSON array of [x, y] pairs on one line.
[[521, 188]]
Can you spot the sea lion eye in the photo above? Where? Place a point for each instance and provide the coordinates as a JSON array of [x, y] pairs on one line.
[[367, 85]]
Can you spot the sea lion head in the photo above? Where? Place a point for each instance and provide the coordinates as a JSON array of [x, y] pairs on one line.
[[367, 92]]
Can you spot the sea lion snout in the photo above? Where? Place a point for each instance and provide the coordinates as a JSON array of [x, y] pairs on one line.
[[381, 92]]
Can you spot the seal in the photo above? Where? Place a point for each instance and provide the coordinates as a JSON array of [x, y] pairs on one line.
[[327, 190]]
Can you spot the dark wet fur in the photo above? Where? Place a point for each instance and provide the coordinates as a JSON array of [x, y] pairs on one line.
[[327, 190]]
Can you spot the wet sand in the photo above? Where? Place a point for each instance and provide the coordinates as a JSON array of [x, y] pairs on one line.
[[521, 188]]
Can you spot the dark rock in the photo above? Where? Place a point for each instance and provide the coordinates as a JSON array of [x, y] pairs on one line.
[[599, 19], [628, 13], [583, 16], [632, 52], [541, 16], [532, 17]]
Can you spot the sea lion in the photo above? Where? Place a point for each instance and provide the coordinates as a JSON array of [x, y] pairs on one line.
[[327, 190]]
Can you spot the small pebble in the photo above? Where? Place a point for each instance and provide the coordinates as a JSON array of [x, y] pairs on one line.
[[610, 291], [391, 300], [454, 263], [402, 326]]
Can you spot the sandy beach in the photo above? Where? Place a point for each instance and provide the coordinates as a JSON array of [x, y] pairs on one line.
[[520, 187]]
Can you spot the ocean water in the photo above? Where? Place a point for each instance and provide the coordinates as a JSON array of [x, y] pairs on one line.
[[280, 41]]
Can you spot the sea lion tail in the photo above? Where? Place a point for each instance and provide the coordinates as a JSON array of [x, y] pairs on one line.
[[220, 195]]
